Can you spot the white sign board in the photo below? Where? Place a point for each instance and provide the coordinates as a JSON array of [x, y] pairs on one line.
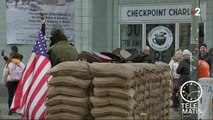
[[205, 104], [160, 38], [138, 13], [23, 19]]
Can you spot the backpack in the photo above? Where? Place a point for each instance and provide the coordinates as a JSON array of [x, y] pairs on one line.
[[16, 72]]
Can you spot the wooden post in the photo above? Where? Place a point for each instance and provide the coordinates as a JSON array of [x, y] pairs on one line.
[[180, 105], [1, 117], [143, 116], [43, 28]]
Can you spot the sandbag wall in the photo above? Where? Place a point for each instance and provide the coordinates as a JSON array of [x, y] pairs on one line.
[[153, 91], [113, 91], [68, 94]]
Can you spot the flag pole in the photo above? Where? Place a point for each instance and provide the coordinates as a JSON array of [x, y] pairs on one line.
[[43, 27]]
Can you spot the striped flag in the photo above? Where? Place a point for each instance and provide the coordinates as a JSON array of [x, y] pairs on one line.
[[32, 89]]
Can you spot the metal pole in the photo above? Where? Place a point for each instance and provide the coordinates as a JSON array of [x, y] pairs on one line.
[[181, 108], [194, 47]]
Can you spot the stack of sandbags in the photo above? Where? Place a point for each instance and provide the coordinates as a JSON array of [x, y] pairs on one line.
[[116, 91], [68, 95], [153, 90], [113, 90], [166, 84]]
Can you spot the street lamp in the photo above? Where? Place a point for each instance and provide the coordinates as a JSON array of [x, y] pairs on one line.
[[194, 46]]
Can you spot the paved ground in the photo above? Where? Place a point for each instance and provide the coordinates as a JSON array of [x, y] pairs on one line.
[[174, 115], [7, 117], [4, 110], [4, 105]]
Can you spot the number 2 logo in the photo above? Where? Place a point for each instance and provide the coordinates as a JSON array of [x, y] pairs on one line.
[[197, 11]]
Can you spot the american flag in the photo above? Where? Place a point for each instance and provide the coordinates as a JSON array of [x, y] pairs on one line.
[[32, 89]]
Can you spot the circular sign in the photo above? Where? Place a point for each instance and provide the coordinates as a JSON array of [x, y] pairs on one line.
[[160, 38], [191, 96]]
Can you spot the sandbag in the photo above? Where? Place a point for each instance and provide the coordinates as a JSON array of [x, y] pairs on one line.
[[142, 67], [113, 82], [64, 116], [64, 90], [69, 81], [62, 99], [106, 101], [110, 117], [124, 71], [114, 92], [78, 69], [62, 108], [110, 110]]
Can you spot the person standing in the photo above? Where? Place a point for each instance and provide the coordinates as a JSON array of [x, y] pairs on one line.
[[184, 67], [203, 52], [209, 60], [60, 50], [143, 57], [16, 3], [12, 73], [6, 4], [184, 70], [14, 49], [175, 77]]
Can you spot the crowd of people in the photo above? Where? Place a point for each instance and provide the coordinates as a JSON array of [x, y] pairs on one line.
[[180, 69]]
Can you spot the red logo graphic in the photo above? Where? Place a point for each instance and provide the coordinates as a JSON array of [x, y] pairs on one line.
[[193, 12]]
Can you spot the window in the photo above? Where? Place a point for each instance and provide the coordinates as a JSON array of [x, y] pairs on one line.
[[185, 35], [164, 55], [131, 37]]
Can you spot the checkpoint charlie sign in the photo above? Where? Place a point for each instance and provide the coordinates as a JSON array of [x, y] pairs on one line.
[[151, 12]]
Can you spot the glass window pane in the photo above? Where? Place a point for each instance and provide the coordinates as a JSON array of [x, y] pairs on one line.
[[185, 35], [163, 38], [131, 37]]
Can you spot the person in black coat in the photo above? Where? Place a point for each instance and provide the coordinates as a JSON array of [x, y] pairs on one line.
[[143, 57], [184, 67], [184, 70]]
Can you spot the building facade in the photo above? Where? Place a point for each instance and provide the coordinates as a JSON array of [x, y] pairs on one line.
[[104, 25]]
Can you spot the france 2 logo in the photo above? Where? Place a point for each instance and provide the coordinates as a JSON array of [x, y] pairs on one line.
[[196, 12]]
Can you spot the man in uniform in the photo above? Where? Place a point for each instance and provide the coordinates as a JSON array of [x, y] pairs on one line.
[[60, 50]]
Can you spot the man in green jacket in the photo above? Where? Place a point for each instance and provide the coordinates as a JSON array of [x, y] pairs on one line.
[[60, 50]]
